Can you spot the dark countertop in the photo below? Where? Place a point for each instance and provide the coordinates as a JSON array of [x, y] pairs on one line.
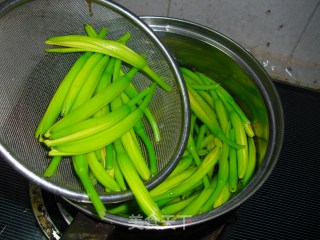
[[287, 206]]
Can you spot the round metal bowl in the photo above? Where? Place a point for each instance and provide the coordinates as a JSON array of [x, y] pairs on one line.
[[241, 74]]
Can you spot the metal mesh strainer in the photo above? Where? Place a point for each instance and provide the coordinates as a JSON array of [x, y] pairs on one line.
[[29, 78]]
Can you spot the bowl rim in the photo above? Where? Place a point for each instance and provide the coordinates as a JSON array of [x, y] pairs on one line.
[[276, 128]]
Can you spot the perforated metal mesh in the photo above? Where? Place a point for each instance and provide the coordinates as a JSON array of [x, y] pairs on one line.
[[29, 78]]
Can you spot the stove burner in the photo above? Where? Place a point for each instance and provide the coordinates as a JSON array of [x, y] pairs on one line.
[[55, 215], [51, 213]]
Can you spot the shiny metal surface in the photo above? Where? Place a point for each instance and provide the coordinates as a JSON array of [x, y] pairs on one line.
[[221, 58]]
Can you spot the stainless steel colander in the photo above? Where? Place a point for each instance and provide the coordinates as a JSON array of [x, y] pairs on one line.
[[29, 78]]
